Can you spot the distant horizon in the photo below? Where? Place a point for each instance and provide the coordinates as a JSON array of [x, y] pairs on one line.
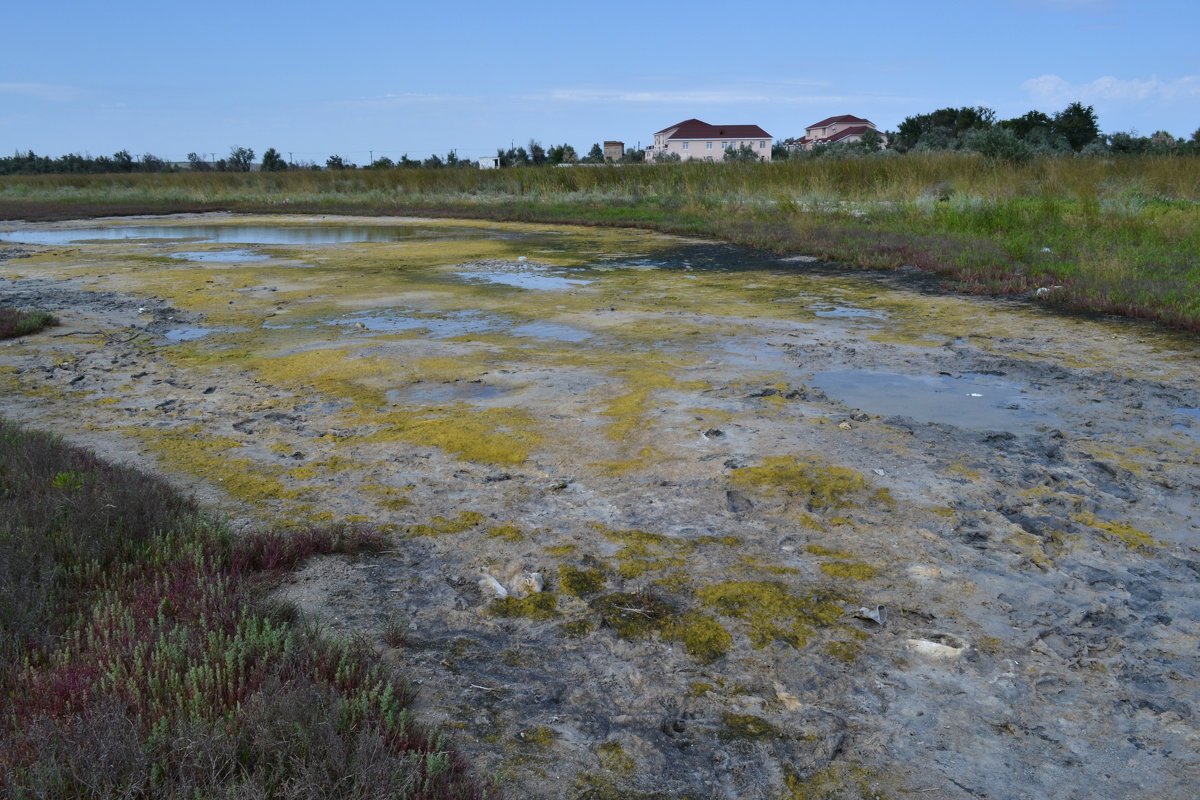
[[376, 80]]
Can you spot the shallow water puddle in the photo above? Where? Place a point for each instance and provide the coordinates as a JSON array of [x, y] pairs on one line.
[[221, 256], [438, 326], [253, 234], [551, 330], [531, 278], [971, 401]]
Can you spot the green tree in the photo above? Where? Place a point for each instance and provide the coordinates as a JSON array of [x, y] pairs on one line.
[[1077, 124], [197, 163], [744, 153], [1028, 122], [871, 141], [383, 162], [999, 144], [335, 162], [272, 161], [596, 154], [537, 153], [122, 161], [240, 159], [940, 129], [562, 154]]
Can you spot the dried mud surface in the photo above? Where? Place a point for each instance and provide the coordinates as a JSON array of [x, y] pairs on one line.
[[780, 552]]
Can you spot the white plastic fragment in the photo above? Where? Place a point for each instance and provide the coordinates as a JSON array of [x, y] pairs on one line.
[[488, 583], [878, 614]]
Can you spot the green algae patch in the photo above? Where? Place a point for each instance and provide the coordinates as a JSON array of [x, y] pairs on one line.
[[503, 436], [702, 637], [818, 485], [838, 781], [632, 615], [208, 457], [850, 570], [637, 615], [1132, 537], [440, 526], [771, 611], [577, 628], [645, 552], [509, 532], [541, 606], [748, 726], [578, 582], [628, 410], [614, 759]]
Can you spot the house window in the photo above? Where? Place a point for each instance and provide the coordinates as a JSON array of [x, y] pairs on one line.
[[685, 144], [708, 145], [762, 145]]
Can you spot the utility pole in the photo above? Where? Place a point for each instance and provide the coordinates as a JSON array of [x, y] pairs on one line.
[[372, 161]]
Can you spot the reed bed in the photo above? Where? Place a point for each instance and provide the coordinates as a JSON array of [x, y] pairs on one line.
[[1115, 235]]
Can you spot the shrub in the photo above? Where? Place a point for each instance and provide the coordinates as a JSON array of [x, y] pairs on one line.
[[14, 322]]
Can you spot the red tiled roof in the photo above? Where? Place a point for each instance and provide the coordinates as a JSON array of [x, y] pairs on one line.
[[844, 119], [857, 130], [695, 129]]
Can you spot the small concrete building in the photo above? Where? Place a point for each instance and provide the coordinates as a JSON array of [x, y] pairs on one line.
[[489, 162], [614, 151]]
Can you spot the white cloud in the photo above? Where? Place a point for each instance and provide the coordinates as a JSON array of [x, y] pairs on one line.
[[1055, 90], [40, 91], [784, 93]]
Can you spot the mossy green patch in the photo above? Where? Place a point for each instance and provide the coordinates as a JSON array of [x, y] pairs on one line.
[[492, 436], [849, 569], [633, 615], [577, 628], [748, 726], [704, 639], [773, 613], [209, 457], [439, 526], [614, 759], [1132, 537], [541, 736], [541, 605], [838, 781], [818, 485], [509, 532], [578, 582]]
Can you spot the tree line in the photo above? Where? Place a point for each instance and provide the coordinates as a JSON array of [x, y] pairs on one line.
[[1073, 131]]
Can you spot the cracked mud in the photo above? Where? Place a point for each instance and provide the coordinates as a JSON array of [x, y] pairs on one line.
[[669, 518]]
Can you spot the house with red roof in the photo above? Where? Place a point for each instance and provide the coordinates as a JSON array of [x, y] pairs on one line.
[[693, 139], [845, 128]]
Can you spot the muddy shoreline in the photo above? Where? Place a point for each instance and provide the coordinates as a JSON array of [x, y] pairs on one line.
[[779, 551]]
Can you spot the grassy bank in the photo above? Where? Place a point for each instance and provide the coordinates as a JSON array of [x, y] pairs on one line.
[[1118, 235], [139, 658]]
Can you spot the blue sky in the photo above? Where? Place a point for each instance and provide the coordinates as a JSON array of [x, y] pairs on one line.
[[367, 79]]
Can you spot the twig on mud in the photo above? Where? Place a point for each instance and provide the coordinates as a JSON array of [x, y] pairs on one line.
[[487, 688], [641, 611], [111, 337]]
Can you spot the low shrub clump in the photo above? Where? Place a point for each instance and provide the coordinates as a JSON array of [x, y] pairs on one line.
[[15, 322], [141, 659]]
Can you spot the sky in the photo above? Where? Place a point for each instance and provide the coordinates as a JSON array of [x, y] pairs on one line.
[[369, 79]]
